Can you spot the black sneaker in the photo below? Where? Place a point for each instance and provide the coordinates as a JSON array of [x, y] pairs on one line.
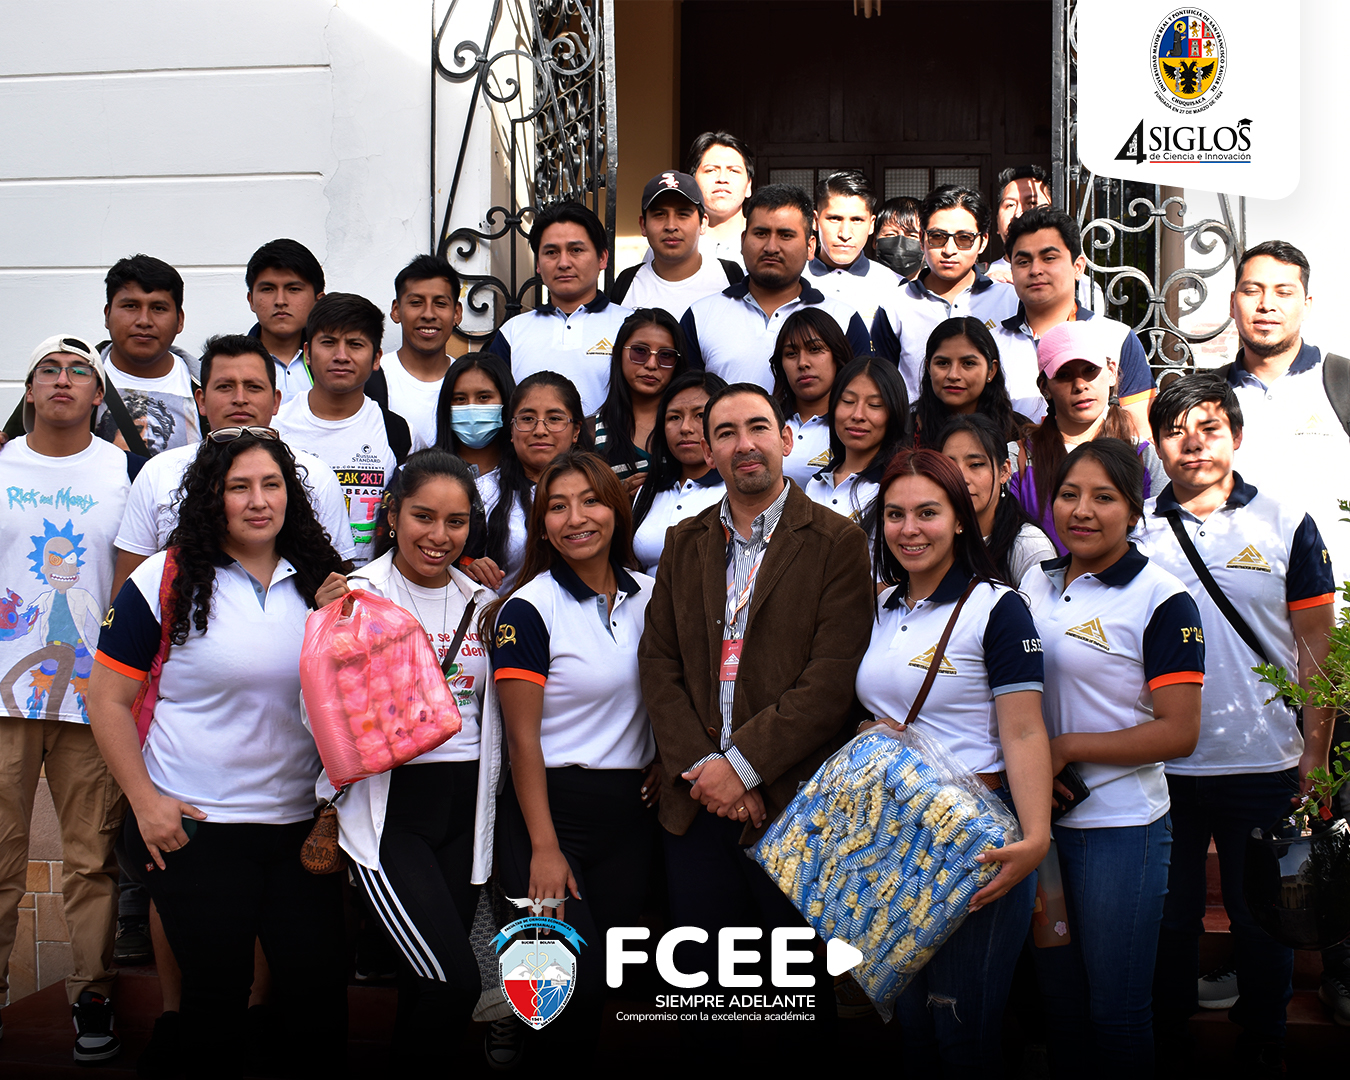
[[504, 1046], [1334, 993], [94, 1037], [160, 1059], [1218, 989], [133, 946]]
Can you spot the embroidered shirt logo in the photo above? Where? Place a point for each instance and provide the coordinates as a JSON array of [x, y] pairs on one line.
[[925, 658], [1249, 559], [603, 347], [822, 459], [506, 635], [1091, 632]]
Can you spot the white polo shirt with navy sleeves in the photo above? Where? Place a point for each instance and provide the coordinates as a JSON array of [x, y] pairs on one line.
[[555, 631], [810, 448], [1293, 444], [670, 507], [1110, 640], [853, 496], [729, 334], [1269, 560], [863, 285], [578, 346], [904, 323], [227, 735], [994, 649]]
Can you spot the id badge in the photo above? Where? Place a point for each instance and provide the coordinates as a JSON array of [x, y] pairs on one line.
[[731, 660]]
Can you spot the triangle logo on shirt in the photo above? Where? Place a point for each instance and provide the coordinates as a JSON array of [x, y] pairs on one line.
[[988, 324], [925, 658], [603, 347], [1249, 559], [1091, 632], [822, 459]]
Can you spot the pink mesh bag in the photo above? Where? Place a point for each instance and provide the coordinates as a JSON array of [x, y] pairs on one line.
[[374, 694]]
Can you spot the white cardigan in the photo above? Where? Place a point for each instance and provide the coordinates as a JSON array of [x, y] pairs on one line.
[[361, 811]]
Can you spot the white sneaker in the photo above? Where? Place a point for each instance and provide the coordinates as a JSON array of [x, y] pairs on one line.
[[1219, 989]]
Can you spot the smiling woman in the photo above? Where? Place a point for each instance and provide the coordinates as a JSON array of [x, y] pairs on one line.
[[222, 791], [572, 824]]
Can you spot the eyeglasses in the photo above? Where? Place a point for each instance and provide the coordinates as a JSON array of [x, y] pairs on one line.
[[937, 238], [528, 422], [229, 434], [640, 354], [78, 374]]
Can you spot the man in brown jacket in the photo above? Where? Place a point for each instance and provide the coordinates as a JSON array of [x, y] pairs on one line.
[[759, 618]]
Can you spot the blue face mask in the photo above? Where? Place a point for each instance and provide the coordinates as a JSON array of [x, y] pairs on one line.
[[476, 425]]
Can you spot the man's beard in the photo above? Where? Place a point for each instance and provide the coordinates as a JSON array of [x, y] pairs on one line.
[[1269, 348], [754, 483]]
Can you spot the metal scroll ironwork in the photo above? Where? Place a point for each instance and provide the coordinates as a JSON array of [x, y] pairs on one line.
[[1135, 235], [559, 132]]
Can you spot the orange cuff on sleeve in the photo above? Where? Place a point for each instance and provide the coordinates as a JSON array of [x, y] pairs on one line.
[[1143, 395], [1312, 601], [1177, 677], [518, 673], [119, 667]]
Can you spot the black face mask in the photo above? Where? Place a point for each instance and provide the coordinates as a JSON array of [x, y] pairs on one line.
[[903, 254]]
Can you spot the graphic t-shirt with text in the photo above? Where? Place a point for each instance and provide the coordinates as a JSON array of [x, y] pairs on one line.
[[356, 449]]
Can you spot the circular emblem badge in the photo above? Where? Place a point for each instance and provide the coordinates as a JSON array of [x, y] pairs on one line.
[[1188, 60]]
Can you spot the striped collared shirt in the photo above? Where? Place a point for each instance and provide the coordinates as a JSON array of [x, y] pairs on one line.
[[743, 559]]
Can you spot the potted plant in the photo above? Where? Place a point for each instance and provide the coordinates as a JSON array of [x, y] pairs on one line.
[[1297, 874]]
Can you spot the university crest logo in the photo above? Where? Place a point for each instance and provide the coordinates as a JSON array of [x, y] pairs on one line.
[[1188, 58], [537, 973]]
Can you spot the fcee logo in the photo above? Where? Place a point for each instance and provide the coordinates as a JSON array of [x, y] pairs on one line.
[[537, 974], [1188, 59]]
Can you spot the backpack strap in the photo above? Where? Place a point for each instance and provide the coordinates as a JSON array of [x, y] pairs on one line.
[[732, 270], [1336, 382], [1221, 601], [377, 388], [117, 409], [622, 283], [143, 708], [398, 433]]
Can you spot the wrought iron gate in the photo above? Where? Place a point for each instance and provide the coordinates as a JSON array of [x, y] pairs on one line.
[[564, 123], [1135, 235]]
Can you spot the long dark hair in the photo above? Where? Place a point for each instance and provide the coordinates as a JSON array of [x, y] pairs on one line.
[[512, 483], [540, 554], [417, 470], [666, 468], [801, 326], [892, 389], [931, 415], [1118, 459], [1009, 515], [968, 545], [616, 414], [202, 526], [498, 372], [1047, 442]]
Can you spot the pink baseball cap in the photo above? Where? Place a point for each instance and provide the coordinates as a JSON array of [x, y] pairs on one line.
[[1073, 341]]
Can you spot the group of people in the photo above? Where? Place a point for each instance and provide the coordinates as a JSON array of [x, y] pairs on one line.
[[671, 558]]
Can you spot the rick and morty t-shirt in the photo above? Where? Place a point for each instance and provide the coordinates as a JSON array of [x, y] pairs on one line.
[[56, 569]]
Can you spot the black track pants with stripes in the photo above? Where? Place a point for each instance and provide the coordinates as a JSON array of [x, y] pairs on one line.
[[422, 897]]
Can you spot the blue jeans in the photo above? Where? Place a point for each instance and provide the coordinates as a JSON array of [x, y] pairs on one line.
[[952, 1013], [1227, 808], [1098, 989]]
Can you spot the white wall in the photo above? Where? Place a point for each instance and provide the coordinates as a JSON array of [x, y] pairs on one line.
[[195, 133]]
